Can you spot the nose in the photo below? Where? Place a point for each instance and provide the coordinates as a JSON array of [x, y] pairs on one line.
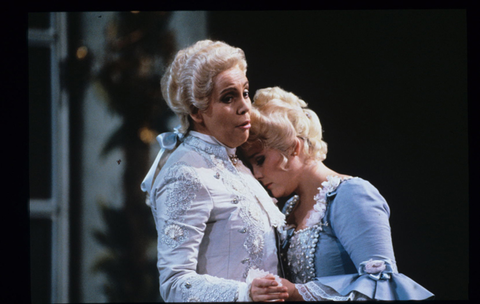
[[244, 105], [257, 173]]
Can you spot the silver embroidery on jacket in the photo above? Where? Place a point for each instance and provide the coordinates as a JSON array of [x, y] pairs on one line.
[[250, 210], [173, 234], [208, 288], [183, 184]]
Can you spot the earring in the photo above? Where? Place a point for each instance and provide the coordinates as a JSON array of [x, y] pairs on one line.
[[294, 153]]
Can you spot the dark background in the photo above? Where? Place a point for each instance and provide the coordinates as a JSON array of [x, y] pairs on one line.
[[390, 88]]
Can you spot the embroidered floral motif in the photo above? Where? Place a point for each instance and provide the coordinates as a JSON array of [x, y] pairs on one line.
[[207, 150], [257, 244], [174, 231], [183, 184], [173, 235], [250, 211], [254, 241]]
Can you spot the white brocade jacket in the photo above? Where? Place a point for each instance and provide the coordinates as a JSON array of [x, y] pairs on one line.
[[214, 223]]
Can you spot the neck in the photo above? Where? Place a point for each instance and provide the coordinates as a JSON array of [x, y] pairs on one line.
[[314, 174], [211, 139]]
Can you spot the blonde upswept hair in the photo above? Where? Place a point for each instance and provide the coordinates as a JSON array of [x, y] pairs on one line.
[[188, 81], [279, 117]]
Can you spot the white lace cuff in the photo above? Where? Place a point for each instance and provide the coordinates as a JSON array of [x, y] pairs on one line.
[[253, 273], [315, 291], [207, 288], [244, 293]]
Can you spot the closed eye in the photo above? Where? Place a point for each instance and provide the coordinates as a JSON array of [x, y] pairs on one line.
[[259, 160]]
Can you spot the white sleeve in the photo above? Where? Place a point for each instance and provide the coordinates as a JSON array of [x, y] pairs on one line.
[[315, 291], [181, 209]]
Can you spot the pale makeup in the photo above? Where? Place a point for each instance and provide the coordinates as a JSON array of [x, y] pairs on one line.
[[269, 168], [227, 117]]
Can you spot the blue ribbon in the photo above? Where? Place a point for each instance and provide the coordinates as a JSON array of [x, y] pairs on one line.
[[286, 241], [167, 141]]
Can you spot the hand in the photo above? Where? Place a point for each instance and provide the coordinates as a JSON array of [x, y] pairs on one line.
[[292, 291], [267, 289]]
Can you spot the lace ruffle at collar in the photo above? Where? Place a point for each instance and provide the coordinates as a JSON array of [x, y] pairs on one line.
[[317, 213]]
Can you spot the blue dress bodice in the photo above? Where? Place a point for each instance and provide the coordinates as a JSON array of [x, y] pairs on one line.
[[355, 229]]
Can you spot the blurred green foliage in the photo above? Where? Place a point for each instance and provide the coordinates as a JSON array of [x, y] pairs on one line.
[[139, 45]]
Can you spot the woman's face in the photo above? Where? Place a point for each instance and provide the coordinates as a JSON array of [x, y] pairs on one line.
[[268, 167], [227, 117]]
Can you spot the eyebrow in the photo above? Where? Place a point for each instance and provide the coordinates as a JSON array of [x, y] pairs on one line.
[[253, 155], [230, 88]]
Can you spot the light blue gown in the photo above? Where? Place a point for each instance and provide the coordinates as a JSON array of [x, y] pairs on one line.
[[348, 255]]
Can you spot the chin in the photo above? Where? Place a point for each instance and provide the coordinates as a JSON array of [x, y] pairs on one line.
[[280, 194], [275, 194], [239, 141], [238, 144]]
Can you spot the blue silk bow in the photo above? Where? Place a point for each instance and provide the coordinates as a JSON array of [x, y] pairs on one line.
[[167, 141]]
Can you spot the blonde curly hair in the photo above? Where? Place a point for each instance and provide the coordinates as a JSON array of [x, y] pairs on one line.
[[278, 118], [188, 81]]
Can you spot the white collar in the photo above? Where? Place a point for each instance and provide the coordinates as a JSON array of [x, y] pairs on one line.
[[211, 139]]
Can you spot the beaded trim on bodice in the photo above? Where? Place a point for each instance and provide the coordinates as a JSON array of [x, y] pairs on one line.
[[303, 243], [301, 254]]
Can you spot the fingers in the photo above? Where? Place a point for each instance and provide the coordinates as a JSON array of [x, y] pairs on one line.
[[269, 293], [265, 282], [280, 297], [271, 297], [272, 289], [267, 289]]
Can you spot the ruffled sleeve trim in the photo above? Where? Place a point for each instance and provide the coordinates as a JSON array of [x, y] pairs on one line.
[[355, 286]]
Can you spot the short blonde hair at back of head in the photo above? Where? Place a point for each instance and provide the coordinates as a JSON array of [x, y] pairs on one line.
[[279, 117]]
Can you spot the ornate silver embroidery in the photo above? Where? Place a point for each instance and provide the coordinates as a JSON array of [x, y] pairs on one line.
[[173, 234], [254, 242], [250, 211], [207, 150], [301, 254], [183, 185], [208, 288]]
